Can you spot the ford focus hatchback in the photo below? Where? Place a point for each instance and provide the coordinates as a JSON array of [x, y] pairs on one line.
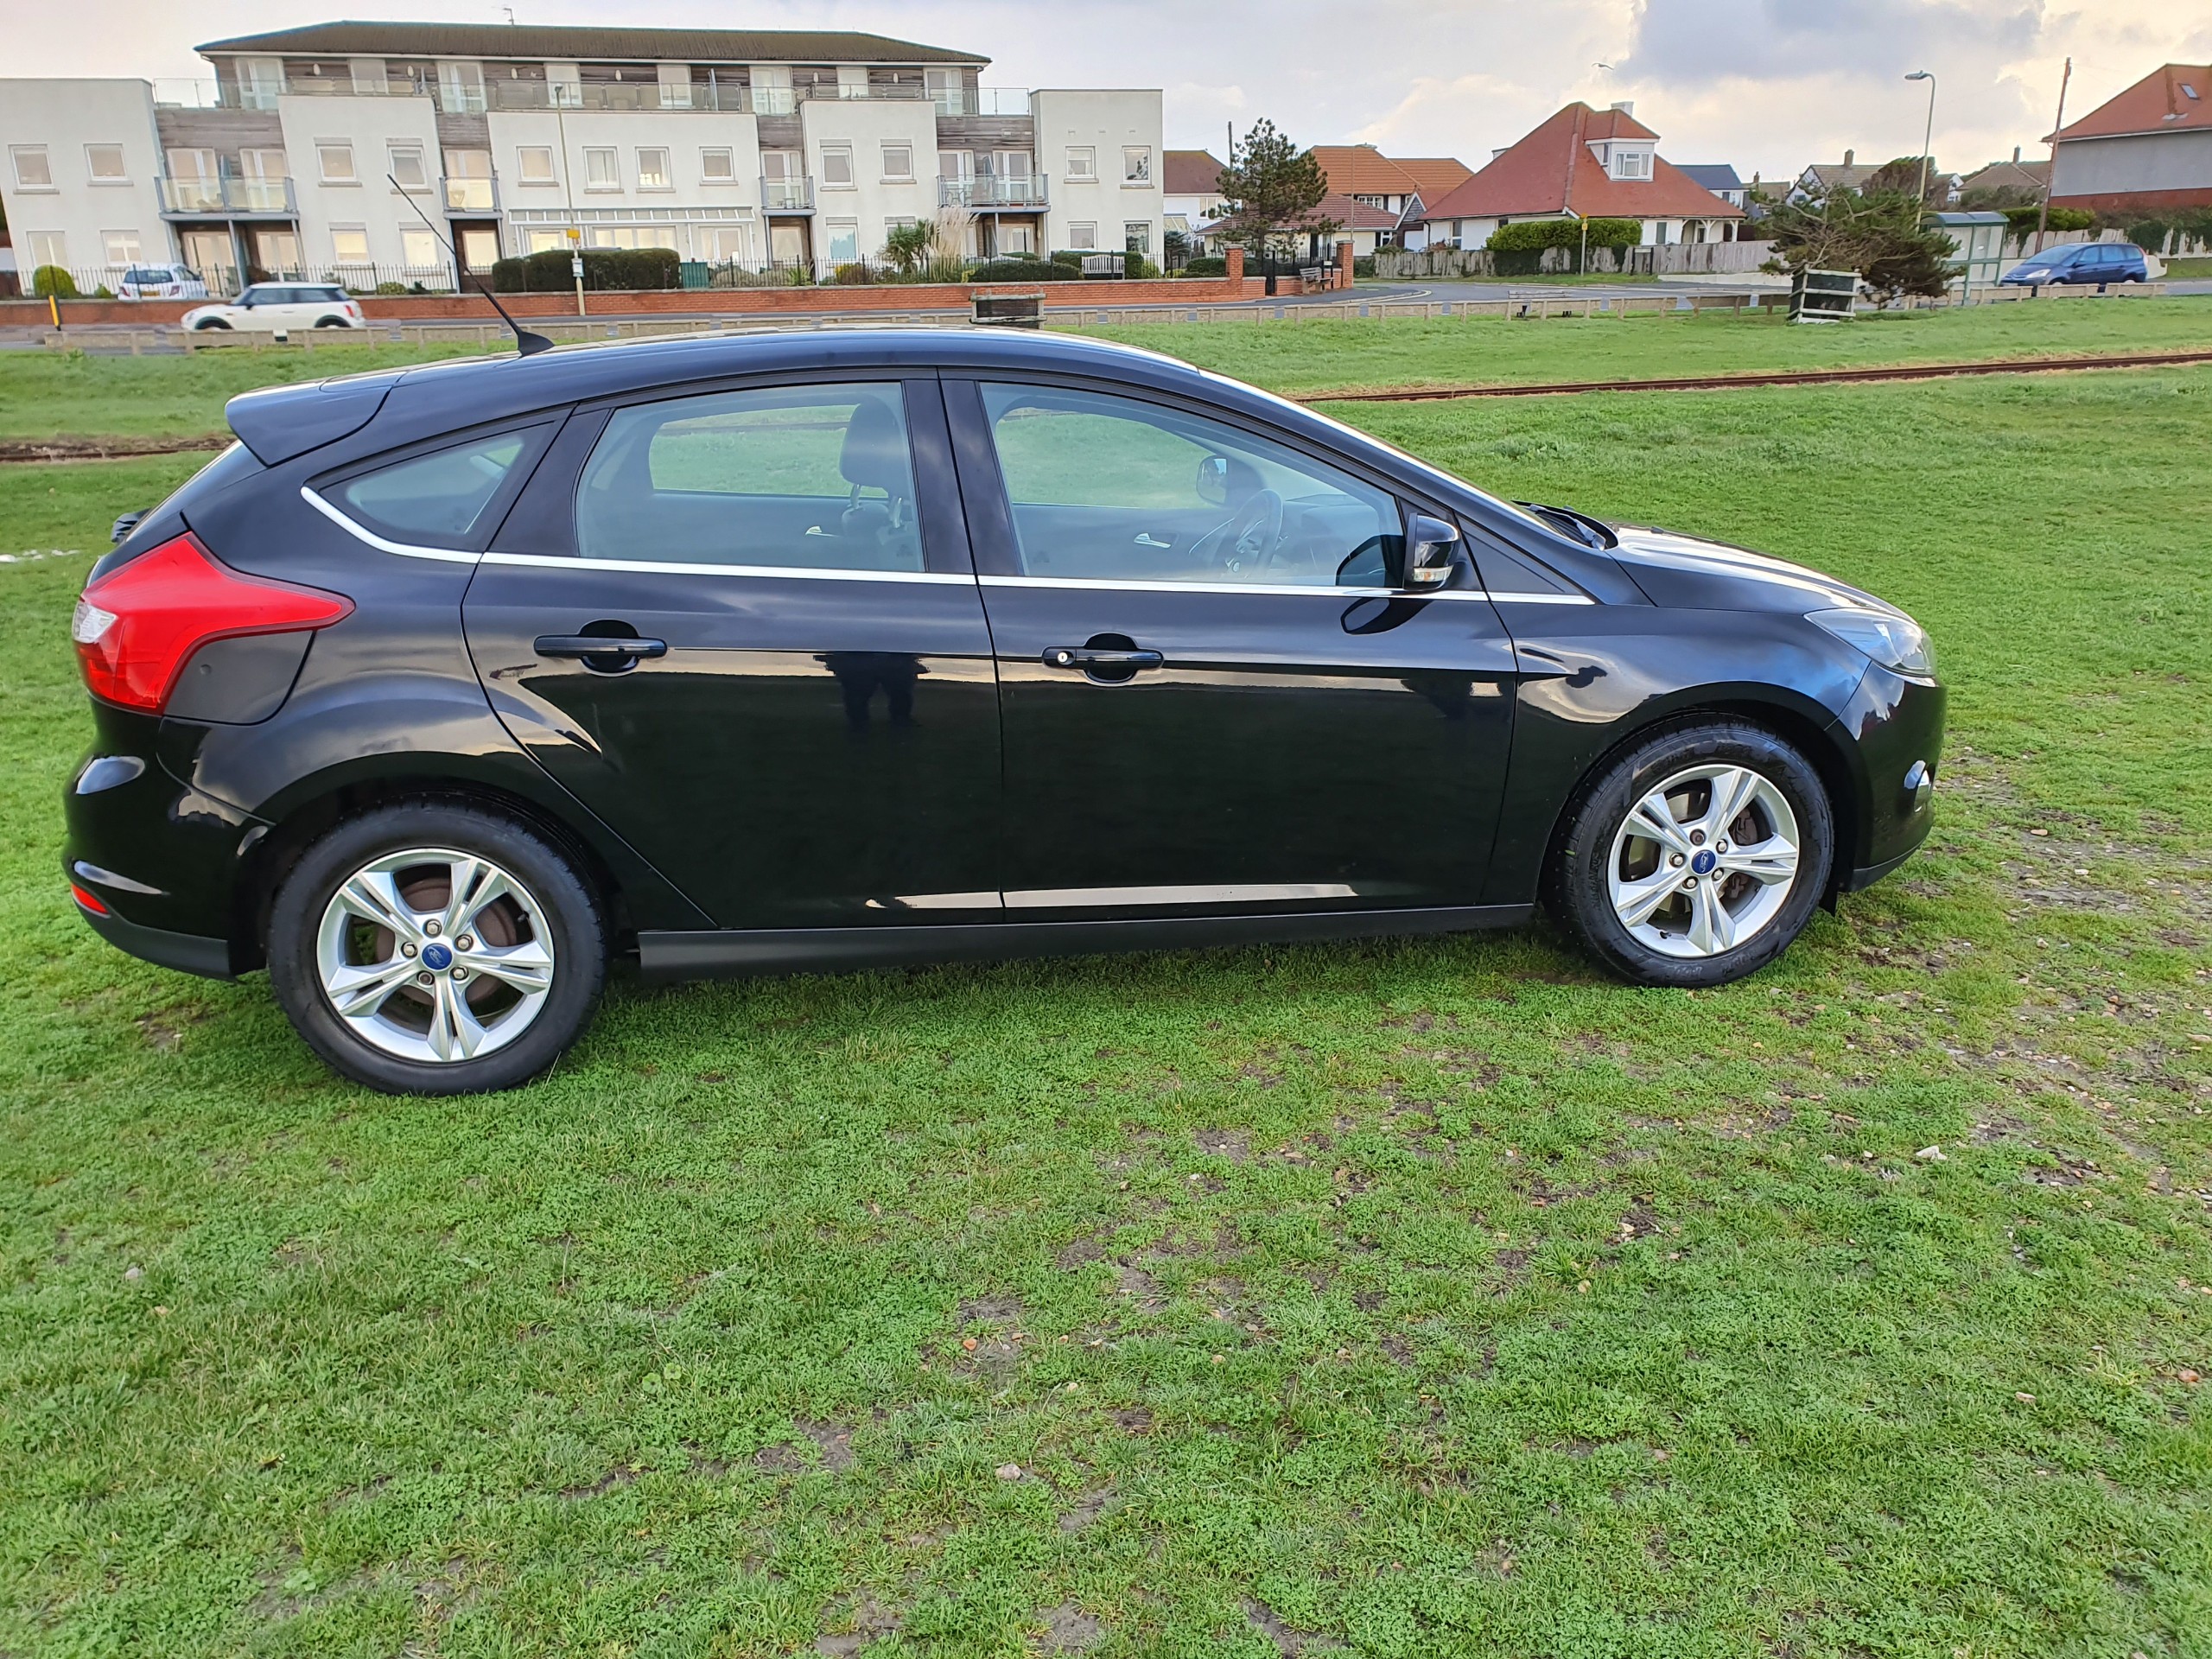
[[443, 689]]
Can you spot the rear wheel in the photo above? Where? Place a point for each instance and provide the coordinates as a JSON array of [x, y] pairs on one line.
[[207, 323], [332, 323], [1696, 857], [437, 950]]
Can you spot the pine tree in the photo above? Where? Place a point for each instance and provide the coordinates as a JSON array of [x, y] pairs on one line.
[[1270, 189]]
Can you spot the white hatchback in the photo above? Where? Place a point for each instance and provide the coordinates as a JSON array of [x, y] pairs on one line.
[[282, 305], [162, 283]]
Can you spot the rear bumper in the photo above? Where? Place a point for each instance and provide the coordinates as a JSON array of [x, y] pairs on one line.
[[188, 953]]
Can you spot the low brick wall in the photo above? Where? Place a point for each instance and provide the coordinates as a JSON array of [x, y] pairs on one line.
[[830, 301]]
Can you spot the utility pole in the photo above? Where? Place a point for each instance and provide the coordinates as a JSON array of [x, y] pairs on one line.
[[2042, 212], [555, 92], [1927, 138]]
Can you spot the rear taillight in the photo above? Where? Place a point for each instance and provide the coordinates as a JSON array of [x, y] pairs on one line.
[[137, 627]]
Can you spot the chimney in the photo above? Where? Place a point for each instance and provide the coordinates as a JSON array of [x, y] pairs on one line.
[[2016, 155], [1847, 155], [1626, 107]]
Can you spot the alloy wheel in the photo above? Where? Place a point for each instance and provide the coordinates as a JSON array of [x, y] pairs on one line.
[[1705, 861], [435, 954]]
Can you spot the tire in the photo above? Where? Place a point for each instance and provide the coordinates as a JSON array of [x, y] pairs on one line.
[[449, 999], [210, 325], [1751, 895], [332, 323]]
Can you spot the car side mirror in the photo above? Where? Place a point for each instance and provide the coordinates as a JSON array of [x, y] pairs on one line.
[[1429, 552], [1213, 480]]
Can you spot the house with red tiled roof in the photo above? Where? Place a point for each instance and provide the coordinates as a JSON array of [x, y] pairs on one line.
[[1400, 186], [2149, 148], [1582, 164], [1190, 190]]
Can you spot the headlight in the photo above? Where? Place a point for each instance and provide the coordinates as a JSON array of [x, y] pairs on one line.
[[1896, 642]]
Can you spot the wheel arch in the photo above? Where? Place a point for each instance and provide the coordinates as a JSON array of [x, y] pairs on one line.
[[305, 818], [1806, 727]]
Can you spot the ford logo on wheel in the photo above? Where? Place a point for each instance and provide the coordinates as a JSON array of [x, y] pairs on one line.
[[437, 956], [1702, 864]]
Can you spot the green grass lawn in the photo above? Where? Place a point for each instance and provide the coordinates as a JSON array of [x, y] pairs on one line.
[[1428, 1297], [43, 394]]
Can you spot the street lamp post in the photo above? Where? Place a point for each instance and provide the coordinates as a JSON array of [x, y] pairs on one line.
[[1927, 137]]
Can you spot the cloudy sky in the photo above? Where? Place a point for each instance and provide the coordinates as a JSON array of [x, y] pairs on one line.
[[1768, 84]]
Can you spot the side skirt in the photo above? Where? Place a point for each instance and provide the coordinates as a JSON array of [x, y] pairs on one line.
[[768, 950]]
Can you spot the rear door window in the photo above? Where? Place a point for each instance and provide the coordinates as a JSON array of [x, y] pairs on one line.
[[446, 498], [818, 477]]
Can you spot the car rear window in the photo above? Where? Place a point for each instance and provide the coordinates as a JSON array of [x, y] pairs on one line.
[[444, 498]]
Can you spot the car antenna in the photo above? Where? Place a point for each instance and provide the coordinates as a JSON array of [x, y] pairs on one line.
[[527, 344]]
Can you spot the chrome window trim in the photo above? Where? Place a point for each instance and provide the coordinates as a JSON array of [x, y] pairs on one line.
[[684, 568], [406, 549], [1304, 590]]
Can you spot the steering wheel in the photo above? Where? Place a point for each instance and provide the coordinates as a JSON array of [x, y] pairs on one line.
[[1249, 538]]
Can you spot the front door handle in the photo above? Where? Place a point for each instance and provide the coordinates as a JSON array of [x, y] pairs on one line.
[[1089, 658], [597, 644]]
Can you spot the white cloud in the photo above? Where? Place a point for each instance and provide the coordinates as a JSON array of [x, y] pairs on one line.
[[1768, 85]]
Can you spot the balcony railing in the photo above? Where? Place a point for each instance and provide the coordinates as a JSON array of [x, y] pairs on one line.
[[727, 98], [988, 190], [470, 195], [787, 195], [220, 196], [982, 100]]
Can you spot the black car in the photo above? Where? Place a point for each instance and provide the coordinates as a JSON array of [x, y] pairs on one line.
[[443, 687]]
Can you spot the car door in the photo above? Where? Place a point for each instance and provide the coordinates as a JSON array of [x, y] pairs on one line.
[[806, 732], [1212, 697]]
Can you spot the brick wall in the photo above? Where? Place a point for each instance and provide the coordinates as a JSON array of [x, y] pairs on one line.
[[709, 301]]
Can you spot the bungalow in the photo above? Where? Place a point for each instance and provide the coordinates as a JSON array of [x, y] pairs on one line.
[[2149, 148], [1390, 184], [1582, 163], [1722, 179], [1190, 190]]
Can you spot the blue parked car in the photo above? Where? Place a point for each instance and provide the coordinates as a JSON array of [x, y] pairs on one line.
[[2080, 261]]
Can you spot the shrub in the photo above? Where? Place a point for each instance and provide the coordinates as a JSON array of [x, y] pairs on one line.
[[1207, 265], [856, 274], [103, 292], [1069, 257], [52, 281], [387, 289], [1020, 270], [1535, 235], [1363, 265], [908, 247], [548, 272], [2021, 221]]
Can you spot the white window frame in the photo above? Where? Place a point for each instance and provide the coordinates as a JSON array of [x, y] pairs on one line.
[[1083, 164], [1631, 164], [1138, 158], [834, 228], [898, 175], [93, 173], [842, 154], [614, 166], [647, 179], [1083, 235], [412, 242], [324, 149], [131, 256], [48, 248], [394, 154], [337, 256], [1143, 228], [523, 175], [18, 154], [707, 172]]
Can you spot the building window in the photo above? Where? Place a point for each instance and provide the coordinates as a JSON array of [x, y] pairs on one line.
[[1083, 234], [104, 162], [121, 247], [1016, 240], [653, 170], [717, 167], [49, 248], [836, 167], [1136, 163], [898, 162], [1083, 163], [32, 171], [407, 167], [1136, 236], [718, 243], [349, 245], [601, 171], [337, 163], [1631, 164], [420, 250], [534, 163], [844, 238]]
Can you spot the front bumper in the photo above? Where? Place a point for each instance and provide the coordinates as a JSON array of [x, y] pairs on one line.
[[1895, 726]]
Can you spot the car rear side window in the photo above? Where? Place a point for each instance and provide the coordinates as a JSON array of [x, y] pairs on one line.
[[814, 477], [444, 498]]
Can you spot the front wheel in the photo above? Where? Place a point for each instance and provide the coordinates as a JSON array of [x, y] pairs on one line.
[[430, 949], [1697, 856], [209, 324]]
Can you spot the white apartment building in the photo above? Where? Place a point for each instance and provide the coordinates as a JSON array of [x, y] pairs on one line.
[[321, 151]]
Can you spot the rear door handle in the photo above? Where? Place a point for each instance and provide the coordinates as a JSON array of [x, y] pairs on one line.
[[596, 645], [1087, 656]]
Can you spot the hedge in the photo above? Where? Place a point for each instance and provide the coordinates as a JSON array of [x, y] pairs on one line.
[[2021, 221], [604, 268], [1535, 235], [1207, 265], [1022, 271]]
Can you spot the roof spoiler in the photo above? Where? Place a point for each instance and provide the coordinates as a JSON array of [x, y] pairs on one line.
[[279, 422]]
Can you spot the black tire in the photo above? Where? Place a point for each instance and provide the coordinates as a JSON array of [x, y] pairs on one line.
[[561, 893], [333, 323], [209, 325], [1580, 885]]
